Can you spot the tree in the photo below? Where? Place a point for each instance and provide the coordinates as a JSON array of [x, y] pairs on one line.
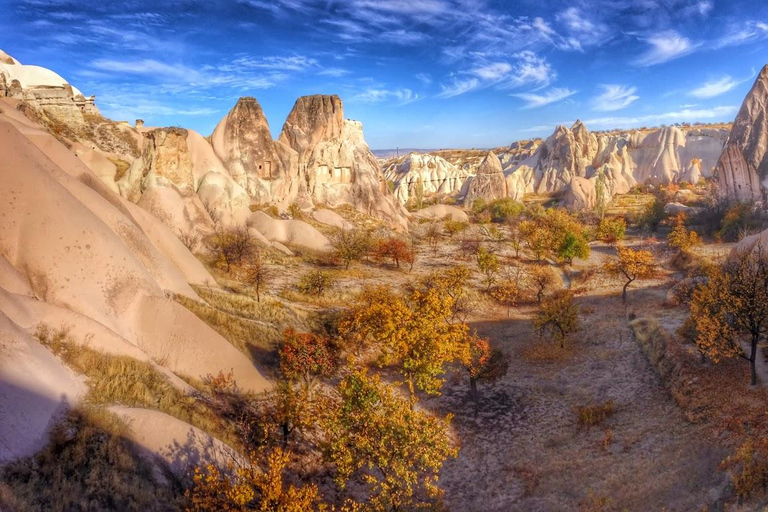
[[535, 238], [507, 294], [612, 230], [505, 209], [231, 246], [653, 213], [633, 264], [315, 282], [488, 264], [248, 487], [482, 362], [682, 239], [732, 306], [542, 279], [393, 248], [378, 437], [307, 355], [415, 334], [559, 316], [454, 227], [432, 235], [255, 274], [350, 245], [601, 199], [572, 246]]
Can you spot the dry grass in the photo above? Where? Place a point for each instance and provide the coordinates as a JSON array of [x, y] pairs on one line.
[[127, 381], [256, 339], [592, 415], [121, 167], [87, 465], [546, 352]]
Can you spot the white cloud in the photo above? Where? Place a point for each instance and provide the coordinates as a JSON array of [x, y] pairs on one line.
[[492, 72], [555, 94], [749, 32], [683, 115], [614, 97], [145, 67], [335, 72], [665, 46], [714, 88], [292, 63], [458, 87], [379, 95], [424, 78]]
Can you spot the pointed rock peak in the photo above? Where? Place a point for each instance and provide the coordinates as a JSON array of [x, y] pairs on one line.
[[313, 118], [249, 108], [490, 165], [578, 126], [560, 130]]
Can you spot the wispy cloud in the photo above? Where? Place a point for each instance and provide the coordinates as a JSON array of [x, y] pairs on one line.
[[614, 97], [744, 33], [665, 46], [424, 78], [145, 67], [533, 100], [459, 86], [714, 88], [334, 72], [397, 96], [725, 112]]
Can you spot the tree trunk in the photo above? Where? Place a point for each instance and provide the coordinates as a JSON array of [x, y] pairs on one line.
[[473, 392], [624, 291], [753, 360]]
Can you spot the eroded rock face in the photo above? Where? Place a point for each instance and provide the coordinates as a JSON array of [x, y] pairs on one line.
[[489, 182], [334, 161], [425, 174], [243, 142], [743, 166]]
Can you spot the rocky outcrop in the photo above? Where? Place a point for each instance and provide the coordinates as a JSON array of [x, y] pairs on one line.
[[743, 166], [267, 169], [334, 162], [489, 182], [424, 174]]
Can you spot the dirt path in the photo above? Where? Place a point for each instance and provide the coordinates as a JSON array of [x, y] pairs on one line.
[[525, 451]]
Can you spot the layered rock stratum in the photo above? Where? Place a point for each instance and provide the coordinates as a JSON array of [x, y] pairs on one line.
[[743, 167]]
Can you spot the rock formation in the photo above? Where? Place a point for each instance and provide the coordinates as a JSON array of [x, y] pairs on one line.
[[424, 174], [267, 169], [334, 161], [743, 166], [489, 182]]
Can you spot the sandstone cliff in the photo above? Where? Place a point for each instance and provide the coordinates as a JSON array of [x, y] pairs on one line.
[[428, 175], [489, 182], [743, 165]]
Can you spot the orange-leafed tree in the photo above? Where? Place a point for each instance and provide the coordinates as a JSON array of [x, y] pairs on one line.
[[681, 238], [632, 264], [731, 308], [306, 355], [249, 487], [482, 363], [394, 249], [377, 438], [558, 316]]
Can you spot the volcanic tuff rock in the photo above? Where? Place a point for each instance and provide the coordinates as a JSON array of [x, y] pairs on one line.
[[426, 174], [489, 182], [266, 168], [334, 160], [743, 166]]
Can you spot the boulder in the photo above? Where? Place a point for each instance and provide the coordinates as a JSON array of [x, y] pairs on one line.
[[291, 232], [330, 218], [441, 211]]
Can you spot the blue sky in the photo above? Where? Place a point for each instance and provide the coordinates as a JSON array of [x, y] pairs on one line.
[[417, 73]]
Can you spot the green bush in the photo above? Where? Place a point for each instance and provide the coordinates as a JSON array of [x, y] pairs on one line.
[[315, 282], [502, 210]]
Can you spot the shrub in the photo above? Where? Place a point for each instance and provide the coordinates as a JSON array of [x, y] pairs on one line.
[[305, 355], [653, 214], [315, 282], [682, 239], [503, 210], [488, 264], [592, 415], [295, 211], [454, 227], [231, 246], [749, 467], [558, 316], [572, 246]]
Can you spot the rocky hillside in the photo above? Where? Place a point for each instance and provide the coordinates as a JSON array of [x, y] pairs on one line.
[[569, 162], [743, 166]]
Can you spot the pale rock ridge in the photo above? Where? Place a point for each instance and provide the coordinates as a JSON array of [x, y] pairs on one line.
[[267, 169], [489, 183], [743, 167], [334, 161], [429, 174]]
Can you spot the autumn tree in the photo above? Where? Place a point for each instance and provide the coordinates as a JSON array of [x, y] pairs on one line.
[[255, 273], [432, 234], [393, 248], [731, 307], [572, 246], [454, 227], [534, 237], [482, 363], [306, 356], [653, 214], [508, 291], [451, 282], [632, 264], [612, 229], [558, 316], [350, 245], [315, 282], [682, 239], [414, 333], [377, 437], [231, 245], [542, 279], [488, 264]]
